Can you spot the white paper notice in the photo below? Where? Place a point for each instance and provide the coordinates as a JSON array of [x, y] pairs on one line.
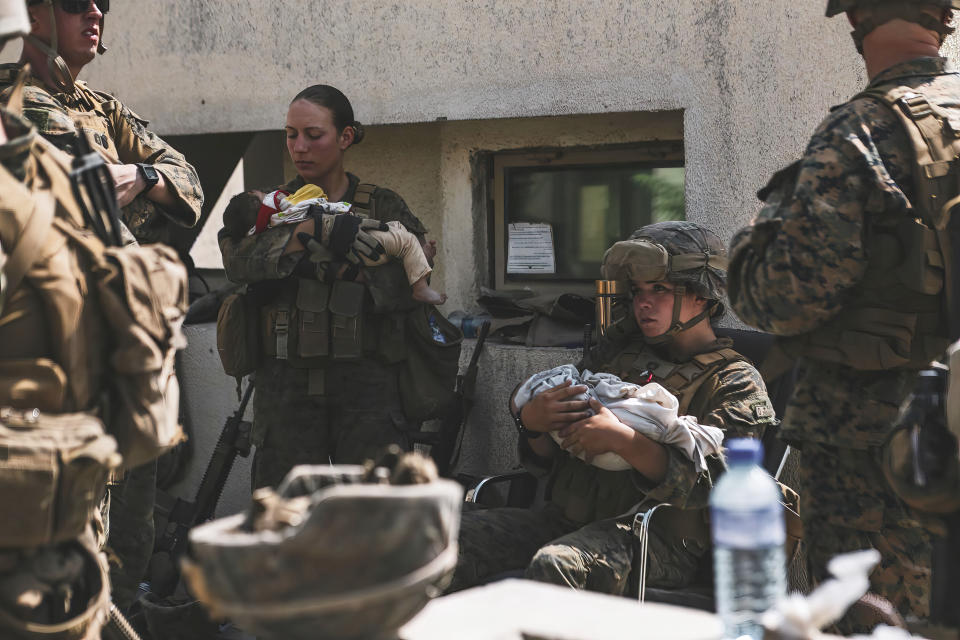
[[530, 248]]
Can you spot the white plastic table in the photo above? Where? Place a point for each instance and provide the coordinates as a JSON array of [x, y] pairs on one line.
[[524, 610]]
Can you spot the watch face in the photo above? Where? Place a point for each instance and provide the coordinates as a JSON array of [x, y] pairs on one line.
[[149, 173]]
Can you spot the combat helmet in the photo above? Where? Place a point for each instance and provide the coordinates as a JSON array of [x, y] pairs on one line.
[[689, 256], [883, 11], [59, 73], [330, 554], [14, 21]]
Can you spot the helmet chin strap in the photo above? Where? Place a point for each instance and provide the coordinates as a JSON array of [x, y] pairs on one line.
[[675, 325], [59, 73]]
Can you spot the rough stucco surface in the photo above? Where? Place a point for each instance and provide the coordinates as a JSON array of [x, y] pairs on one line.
[[750, 89], [751, 77]]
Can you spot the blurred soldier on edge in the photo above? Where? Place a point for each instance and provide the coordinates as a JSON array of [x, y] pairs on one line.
[[850, 263], [155, 187]]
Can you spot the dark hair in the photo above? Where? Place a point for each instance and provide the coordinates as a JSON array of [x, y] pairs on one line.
[[323, 95]]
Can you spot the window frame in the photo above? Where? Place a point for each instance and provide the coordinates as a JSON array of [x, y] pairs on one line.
[[654, 154]]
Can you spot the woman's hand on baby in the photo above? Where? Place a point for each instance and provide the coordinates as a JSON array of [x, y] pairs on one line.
[[555, 408], [599, 433]]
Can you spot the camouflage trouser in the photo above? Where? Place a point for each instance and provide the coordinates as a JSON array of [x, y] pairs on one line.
[[358, 414], [847, 505], [131, 531], [599, 556]]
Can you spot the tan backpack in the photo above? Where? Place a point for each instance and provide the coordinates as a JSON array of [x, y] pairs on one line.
[[142, 295], [57, 464]]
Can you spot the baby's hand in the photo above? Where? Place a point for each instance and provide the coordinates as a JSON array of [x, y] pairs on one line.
[[430, 250]]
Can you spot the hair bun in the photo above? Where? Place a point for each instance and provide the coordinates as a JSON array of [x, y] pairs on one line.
[[358, 132]]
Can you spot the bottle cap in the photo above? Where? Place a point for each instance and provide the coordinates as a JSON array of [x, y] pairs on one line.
[[744, 451]]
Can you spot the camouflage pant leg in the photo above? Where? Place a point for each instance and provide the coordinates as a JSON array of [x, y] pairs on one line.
[[291, 427], [367, 411], [493, 541], [846, 505], [601, 556], [131, 534], [358, 414]]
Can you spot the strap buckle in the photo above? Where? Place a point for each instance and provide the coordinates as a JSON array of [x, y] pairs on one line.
[[916, 105], [281, 328]]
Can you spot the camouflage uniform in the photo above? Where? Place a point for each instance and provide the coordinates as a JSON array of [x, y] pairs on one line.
[[29, 331], [313, 415], [121, 137], [796, 271], [582, 537]]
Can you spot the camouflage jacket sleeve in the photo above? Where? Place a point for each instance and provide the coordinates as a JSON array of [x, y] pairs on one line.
[[391, 207], [735, 401], [792, 269], [260, 257], [135, 143]]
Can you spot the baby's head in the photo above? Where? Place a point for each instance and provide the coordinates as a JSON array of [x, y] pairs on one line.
[[241, 213]]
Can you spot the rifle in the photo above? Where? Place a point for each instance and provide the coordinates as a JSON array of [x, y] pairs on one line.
[[94, 191], [182, 515], [446, 452]]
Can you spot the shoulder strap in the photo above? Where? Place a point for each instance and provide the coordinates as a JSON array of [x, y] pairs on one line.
[[37, 225], [27, 250], [936, 142], [363, 199]]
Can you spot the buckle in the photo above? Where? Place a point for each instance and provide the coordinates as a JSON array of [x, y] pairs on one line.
[[916, 105]]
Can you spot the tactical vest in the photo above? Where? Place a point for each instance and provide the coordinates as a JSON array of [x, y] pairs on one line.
[[587, 493], [311, 324], [898, 315], [98, 115]]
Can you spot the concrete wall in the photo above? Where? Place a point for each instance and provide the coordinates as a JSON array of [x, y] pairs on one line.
[[440, 81], [752, 78]]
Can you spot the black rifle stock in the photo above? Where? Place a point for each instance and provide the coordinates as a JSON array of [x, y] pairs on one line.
[[94, 191], [446, 452], [234, 440]]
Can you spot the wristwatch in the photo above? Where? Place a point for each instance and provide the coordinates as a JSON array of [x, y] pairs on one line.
[[522, 430], [149, 174]]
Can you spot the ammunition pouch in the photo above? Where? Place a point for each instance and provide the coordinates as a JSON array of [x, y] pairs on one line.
[[346, 320], [314, 322], [58, 465], [429, 374], [238, 334], [32, 383]]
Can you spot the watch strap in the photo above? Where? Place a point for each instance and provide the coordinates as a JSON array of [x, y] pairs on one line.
[[149, 173]]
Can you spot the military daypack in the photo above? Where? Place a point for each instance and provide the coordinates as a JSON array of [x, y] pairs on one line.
[[141, 293], [904, 310], [427, 382]]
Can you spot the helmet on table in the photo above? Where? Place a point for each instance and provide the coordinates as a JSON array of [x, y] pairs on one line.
[[328, 555]]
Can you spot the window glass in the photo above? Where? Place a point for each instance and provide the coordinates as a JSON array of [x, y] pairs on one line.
[[589, 207]]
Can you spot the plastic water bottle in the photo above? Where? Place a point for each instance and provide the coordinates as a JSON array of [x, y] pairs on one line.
[[435, 330], [748, 536]]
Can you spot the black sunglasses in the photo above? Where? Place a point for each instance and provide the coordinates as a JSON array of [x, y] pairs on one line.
[[82, 6]]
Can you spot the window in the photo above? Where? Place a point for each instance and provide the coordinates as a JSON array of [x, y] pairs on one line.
[[556, 212]]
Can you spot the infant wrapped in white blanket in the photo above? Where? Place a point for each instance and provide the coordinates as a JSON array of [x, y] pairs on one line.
[[649, 409]]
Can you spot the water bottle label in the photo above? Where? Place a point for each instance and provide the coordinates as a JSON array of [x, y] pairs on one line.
[[748, 528]]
